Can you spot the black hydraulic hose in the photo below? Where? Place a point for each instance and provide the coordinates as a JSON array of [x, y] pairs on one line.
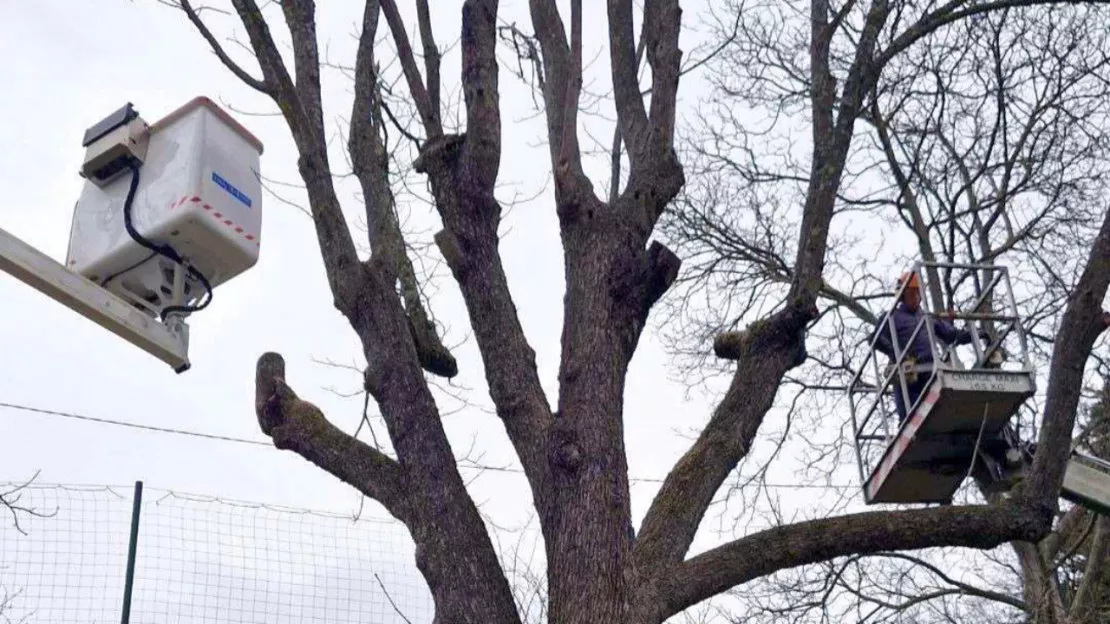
[[162, 250]]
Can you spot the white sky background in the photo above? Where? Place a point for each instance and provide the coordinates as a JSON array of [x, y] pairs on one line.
[[69, 64]]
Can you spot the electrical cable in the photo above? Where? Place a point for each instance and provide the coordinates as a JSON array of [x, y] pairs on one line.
[[163, 250], [210, 436], [978, 442], [121, 423], [104, 282]]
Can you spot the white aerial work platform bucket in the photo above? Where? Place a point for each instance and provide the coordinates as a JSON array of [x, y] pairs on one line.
[[199, 193], [168, 212]]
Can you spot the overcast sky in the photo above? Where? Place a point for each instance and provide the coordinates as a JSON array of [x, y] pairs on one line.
[[69, 64]]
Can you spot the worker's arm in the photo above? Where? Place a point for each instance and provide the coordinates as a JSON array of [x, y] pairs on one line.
[[947, 332], [882, 342]]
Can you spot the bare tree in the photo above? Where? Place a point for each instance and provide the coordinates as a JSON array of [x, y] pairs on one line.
[[983, 144], [573, 452]]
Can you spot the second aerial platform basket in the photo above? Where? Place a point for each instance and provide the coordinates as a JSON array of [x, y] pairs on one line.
[[954, 389], [199, 193]]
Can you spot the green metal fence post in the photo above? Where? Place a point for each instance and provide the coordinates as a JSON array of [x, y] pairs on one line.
[[130, 578]]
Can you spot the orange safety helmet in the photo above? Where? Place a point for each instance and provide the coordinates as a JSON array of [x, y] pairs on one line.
[[910, 279]]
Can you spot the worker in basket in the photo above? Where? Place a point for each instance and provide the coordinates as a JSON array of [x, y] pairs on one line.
[[918, 360]]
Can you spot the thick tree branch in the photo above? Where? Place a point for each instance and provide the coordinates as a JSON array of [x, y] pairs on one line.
[[848, 301], [276, 74], [662, 24], [371, 166], [632, 116], [831, 140], [431, 56], [549, 29], [802, 543], [766, 350], [655, 176], [508, 359], [336, 244], [562, 89], [570, 159], [250, 81], [481, 153], [429, 113], [462, 184], [615, 152], [299, 426], [775, 345], [421, 490], [300, 17], [1082, 323], [823, 92]]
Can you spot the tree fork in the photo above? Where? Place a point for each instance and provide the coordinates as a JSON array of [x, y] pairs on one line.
[[467, 584]]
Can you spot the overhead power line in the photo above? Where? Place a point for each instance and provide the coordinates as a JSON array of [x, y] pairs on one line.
[[223, 438], [120, 423]]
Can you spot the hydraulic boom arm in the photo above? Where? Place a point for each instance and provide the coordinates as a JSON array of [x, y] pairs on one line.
[[46, 275], [1003, 461], [1087, 483]]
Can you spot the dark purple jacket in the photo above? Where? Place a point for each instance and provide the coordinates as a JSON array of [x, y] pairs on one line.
[[904, 324]]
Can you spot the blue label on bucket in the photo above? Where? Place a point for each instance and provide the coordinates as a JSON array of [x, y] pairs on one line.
[[231, 190]]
